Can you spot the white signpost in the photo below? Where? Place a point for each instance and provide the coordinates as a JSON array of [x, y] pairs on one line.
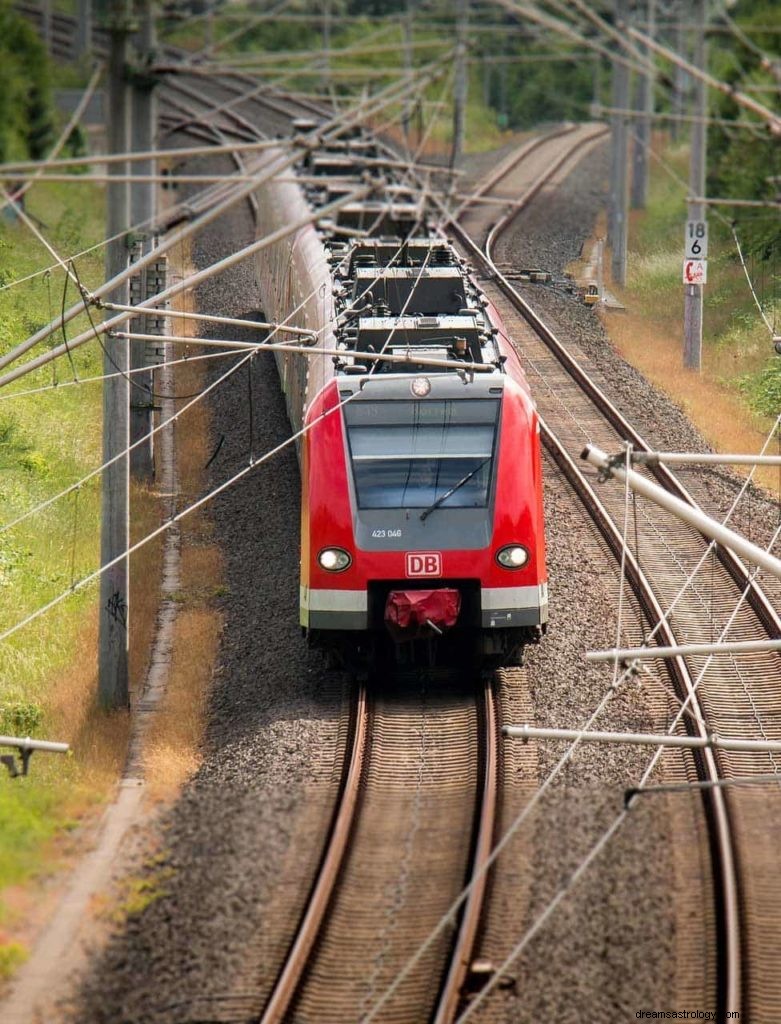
[[696, 240], [695, 259]]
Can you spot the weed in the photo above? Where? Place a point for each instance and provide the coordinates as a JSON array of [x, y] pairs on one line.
[[12, 955], [141, 892], [764, 389], [21, 718]]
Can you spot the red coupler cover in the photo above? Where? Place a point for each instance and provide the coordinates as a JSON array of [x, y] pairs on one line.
[[414, 612]]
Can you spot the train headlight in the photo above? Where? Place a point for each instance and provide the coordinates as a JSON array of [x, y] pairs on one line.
[[334, 559], [514, 556]]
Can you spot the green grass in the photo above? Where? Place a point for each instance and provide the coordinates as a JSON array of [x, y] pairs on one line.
[[12, 955], [47, 442]]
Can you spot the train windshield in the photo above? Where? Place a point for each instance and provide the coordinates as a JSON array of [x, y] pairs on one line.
[[420, 453]]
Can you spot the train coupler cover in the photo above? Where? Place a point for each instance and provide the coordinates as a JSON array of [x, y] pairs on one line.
[[410, 614]]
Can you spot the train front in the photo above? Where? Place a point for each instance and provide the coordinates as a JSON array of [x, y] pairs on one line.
[[422, 529]]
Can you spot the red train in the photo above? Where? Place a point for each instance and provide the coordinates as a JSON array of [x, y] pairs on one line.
[[422, 537]]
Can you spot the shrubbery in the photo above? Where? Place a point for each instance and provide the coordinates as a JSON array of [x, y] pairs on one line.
[[26, 115]]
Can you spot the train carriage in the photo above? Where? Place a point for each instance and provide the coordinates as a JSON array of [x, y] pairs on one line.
[[422, 537]]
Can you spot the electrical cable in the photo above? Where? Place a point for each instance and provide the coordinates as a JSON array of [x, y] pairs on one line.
[[608, 833], [148, 392], [64, 330]]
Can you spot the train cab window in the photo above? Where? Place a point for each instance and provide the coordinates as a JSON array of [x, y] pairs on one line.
[[412, 454]]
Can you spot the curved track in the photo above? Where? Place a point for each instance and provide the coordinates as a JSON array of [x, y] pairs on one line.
[[737, 697], [730, 696]]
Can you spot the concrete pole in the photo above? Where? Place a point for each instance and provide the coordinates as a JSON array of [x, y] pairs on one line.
[[680, 79], [596, 82], [326, 45], [143, 197], [644, 103], [692, 309], [46, 25], [504, 70], [407, 32], [460, 84], [83, 27], [618, 186], [114, 534], [486, 70]]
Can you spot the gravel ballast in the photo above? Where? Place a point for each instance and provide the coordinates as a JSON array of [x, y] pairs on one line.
[[265, 787], [240, 845]]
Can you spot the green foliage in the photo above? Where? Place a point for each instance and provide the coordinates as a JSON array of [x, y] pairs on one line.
[[743, 162], [12, 955], [764, 389], [26, 115], [12, 444], [21, 718]]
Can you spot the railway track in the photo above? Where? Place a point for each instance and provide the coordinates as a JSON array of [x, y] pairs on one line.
[[732, 696], [417, 764], [738, 697]]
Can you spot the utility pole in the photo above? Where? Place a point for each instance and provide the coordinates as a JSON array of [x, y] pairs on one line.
[[617, 221], [644, 104], [83, 28], [596, 84], [680, 79], [407, 32], [113, 688], [692, 310], [326, 45], [460, 84], [46, 25], [504, 113], [142, 210]]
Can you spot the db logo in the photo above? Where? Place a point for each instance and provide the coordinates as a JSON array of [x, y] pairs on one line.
[[424, 563]]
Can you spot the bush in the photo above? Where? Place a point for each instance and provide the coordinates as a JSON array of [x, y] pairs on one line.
[[764, 389], [26, 112]]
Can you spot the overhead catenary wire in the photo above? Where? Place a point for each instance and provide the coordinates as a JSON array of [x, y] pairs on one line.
[[97, 378], [451, 912], [268, 170], [575, 876], [754, 295], [108, 565]]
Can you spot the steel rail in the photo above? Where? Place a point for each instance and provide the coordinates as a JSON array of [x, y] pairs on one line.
[[451, 994], [311, 923], [723, 851], [760, 603]]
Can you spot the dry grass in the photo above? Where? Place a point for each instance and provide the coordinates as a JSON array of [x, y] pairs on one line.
[[173, 744], [719, 414], [654, 344], [174, 740], [98, 740], [146, 567]]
